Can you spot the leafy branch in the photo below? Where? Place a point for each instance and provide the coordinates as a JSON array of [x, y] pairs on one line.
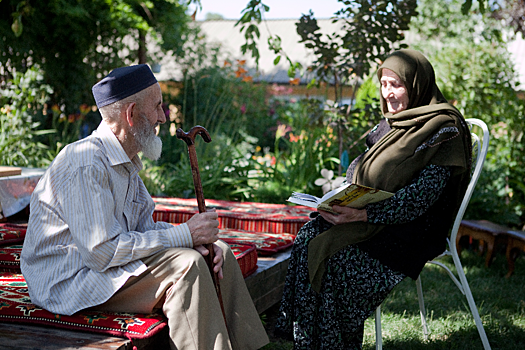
[[252, 16]]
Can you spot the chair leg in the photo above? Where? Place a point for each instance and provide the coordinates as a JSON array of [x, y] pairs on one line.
[[379, 339], [422, 311], [471, 303]]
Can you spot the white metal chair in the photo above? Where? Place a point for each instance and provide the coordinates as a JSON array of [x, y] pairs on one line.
[[479, 152]]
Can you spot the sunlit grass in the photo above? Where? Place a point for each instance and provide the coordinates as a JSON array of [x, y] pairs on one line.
[[500, 301]]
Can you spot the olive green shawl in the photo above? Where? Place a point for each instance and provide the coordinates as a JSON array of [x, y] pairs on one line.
[[429, 131]]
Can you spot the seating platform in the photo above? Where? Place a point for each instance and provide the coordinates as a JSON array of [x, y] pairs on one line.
[[489, 236], [260, 235], [487, 233], [265, 286], [515, 244]]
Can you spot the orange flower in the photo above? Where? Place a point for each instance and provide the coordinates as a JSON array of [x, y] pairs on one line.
[[241, 62], [247, 79], [240, 72], [295, 81], [227, 63], [294, 138], [84, 108]]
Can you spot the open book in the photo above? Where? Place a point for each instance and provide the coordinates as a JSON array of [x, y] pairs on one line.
[[350, 195]]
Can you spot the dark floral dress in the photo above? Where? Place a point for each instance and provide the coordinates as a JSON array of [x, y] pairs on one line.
[[354, 284]]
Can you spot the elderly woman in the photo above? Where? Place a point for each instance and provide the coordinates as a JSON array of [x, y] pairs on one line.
[[344, 265]]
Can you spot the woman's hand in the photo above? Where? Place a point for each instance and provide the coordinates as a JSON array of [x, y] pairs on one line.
[[344, 215], [217, 260]]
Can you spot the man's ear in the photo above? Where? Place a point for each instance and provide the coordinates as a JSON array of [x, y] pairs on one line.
[[129, 113]]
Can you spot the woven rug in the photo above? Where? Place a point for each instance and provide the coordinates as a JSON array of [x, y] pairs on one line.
[[247, 216], [16, 306], [246, 255], [266, 243], [11, 233], [10, 258]]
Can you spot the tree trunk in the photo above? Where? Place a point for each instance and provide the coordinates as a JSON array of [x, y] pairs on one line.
[[142, 47]]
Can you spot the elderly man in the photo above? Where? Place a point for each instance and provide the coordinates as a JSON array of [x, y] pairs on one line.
[[92, 244]]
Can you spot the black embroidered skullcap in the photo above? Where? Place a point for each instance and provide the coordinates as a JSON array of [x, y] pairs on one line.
[[121, 83]]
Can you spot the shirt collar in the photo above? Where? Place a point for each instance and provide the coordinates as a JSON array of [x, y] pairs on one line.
[[114, 150]]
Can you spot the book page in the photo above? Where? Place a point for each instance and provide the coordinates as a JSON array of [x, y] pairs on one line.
[[304, 199], [355, 196], [350, 195]]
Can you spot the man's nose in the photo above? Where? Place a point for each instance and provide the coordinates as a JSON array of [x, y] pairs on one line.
[[161, 116]]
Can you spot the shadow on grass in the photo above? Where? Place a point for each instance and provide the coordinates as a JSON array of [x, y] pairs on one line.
[[490, 289], [500, 301], [462, 339]]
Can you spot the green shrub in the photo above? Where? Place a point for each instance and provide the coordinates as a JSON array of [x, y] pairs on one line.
[[304, 144], [480, 81], [475, 72], [22, 99], [233, 110]]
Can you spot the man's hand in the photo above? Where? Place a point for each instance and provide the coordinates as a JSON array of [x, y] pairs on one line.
[[217, 260], [203, 228], [345, 215]]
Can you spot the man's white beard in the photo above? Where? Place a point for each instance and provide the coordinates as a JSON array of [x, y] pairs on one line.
[[149, 143]]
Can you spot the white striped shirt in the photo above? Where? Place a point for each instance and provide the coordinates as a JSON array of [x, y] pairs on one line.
[[90, 224]]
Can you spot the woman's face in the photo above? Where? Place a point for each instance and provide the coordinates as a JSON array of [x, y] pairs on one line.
[[394, 91]]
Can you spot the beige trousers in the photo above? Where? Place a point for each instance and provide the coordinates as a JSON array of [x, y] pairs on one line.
[[178, 280]]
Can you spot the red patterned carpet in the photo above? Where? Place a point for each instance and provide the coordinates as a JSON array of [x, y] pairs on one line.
[[249, 228]]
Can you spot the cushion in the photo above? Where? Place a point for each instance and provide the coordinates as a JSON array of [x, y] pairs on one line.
[[12, 233], [246, 255], [266, 243], [16, 306], [248, 216], [10, 258]]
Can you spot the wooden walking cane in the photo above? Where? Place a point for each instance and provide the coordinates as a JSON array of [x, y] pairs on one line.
[[189, 138]]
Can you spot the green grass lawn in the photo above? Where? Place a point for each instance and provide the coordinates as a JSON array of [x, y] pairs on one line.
[[500, 301]]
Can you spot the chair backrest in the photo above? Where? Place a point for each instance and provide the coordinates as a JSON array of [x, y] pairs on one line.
[[479, 153]]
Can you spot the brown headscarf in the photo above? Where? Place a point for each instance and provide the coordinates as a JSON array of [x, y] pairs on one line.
[[429, 131]]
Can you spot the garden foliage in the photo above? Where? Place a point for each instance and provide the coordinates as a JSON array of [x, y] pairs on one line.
[[262, 148], [22, 98], [475, 72], [264, 143], [77, 42], [369, 32]]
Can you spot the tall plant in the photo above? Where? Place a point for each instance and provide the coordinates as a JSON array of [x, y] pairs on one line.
[[475, 72], [222, 98], [304, 145], [21, 99], [369, 31], [77, 42]]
